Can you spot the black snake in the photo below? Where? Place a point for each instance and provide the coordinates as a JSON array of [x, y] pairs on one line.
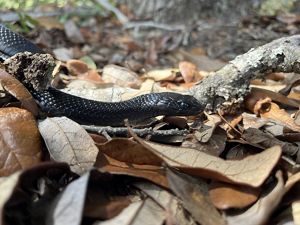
[[57, 103]]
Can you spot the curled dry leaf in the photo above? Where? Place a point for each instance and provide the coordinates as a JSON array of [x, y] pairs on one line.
[[68, 142], [189, 72], [16, 89], [120, 76], [194, 195], [225, 195], [277, 114], [252, 170], [259, 93], [82, 71], [20, 140]]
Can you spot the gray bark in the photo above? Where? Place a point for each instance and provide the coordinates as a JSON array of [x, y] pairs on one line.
[[229, 85]]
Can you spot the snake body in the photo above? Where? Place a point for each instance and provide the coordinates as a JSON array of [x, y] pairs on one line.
[[58, 103]]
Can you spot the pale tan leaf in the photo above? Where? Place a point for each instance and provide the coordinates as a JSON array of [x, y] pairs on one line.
[[7, 185], [252, 170], [195, 198], [296, 212], [68, 142], [120, 76], [173, 206], [160, 75], [69, 204]]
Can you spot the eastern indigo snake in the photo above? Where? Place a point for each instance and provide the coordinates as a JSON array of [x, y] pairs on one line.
[[58, 103]]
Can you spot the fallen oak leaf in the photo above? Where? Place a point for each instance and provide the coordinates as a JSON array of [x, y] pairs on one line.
[[259, 213], [7, 186], [225, 195], [17, 90], [129, 151], [20, 140], [68, 142], [194, 195], [200, 164], [155, 174], [273, 111]]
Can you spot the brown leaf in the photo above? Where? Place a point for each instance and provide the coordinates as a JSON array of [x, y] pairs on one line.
[[20, 140], [106, 196], [274, 112], [266, 140], [189, 72], [76, 67], [252, 170], [260, 212], [68, 142], [16, 89], [129, 151], [152, 173], [225, 195], [194, 195], [259, 93]]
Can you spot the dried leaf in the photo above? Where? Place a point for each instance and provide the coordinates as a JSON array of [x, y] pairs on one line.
[[201, 164], [296, 212], [259, 93], [106, 196], [20, 140], [176, 214], [152, 173], [68, 142], [141, 212], [265, 140], [194, 195], [16, 89], [225, 196], [129, 151], [7, 186], [260, 212], [277, 114], [161, 75], [73, 33], [69, 204], [189, 72], [120, 76], [76, 67]]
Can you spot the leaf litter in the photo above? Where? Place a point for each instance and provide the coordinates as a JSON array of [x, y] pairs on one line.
[[221, 172]]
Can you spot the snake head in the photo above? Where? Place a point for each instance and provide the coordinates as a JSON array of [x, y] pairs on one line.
[[181, 105]]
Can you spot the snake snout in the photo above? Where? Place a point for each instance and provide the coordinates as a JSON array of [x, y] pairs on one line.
[[179, 105]]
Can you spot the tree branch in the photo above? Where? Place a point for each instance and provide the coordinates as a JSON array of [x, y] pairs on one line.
[[229, 85]]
